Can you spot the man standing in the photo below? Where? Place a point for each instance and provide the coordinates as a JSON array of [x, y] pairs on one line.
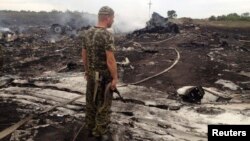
[[100, 70]]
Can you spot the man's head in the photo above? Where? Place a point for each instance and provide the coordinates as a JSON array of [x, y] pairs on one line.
[[106, 16]]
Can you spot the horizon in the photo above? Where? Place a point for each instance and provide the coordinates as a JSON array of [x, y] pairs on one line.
[[135, 9], [67, 10], [134, 14]]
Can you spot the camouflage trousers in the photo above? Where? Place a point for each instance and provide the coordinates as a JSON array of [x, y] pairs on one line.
[[97, 112]]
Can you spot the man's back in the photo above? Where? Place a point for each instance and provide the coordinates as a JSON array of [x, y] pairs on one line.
[[96, 41]]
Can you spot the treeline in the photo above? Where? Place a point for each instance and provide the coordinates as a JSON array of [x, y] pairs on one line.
[[232, 17], [8, 17]]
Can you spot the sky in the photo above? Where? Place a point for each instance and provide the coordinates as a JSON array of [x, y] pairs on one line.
[[135, 10]]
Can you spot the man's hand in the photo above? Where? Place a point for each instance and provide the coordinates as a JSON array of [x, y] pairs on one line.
[[113, 84]]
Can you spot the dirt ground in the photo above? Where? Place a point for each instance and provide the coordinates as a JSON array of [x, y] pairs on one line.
[[208, 56], [35, 55]]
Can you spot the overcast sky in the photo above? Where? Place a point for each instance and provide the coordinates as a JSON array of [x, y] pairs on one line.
[[135, 10]]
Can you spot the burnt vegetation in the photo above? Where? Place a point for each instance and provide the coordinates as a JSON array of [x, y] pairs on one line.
[[231, 17]]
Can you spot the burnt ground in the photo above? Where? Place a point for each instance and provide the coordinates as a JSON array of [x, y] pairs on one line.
[[52, 127], [195, 66], [34, 55], [208, 54]]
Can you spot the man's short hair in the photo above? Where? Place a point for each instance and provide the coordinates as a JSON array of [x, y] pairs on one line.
[[105, 10]]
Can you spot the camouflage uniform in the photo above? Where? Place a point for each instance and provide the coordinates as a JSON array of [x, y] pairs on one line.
[[96, 41]]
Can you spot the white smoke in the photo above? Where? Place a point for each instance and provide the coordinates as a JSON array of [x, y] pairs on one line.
[[4, 29], [125, 25]]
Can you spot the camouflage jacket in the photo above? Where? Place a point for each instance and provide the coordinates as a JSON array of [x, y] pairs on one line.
[[96, 41]]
